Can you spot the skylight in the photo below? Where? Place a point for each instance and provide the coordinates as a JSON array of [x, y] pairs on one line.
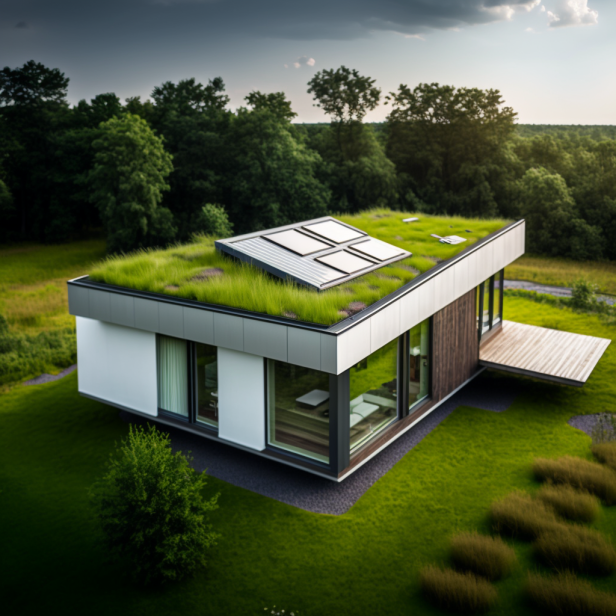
[[298, 242], [334, 231], [318, 253]]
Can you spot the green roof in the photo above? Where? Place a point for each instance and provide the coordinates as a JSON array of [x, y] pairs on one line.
[[197, 271]]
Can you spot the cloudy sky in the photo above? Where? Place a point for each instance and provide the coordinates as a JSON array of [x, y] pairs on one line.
[[553, 60]]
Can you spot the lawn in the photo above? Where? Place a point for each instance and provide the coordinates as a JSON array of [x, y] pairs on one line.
[[53, 445], [179, 270], [564, 272], [34, 301]]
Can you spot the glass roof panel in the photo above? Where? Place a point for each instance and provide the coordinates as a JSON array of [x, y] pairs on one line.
[[297, 242], [382, 251], [334, 231], [345, 261]]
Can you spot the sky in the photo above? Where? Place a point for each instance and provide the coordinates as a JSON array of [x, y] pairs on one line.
[[552, 60]]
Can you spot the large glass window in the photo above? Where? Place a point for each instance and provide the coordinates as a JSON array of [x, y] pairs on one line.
[[298, 413], [172, 361], [485, 320], [374, 393], [497, 312], [419, 362], [207, 384]]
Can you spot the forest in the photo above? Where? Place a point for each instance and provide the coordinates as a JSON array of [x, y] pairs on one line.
[[154, 172]]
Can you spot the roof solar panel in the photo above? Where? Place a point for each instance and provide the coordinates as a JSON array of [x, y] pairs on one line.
[[297, 242], [334, 231], [382, 251], [345, 261]]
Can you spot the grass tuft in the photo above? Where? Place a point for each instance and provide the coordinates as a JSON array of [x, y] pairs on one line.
[[570, 503], [489, 557], [566, 595], [605, 453], [569, 547], [455, 591], [518, 515], [578, 473]]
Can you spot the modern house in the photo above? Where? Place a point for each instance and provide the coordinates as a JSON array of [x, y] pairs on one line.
[[321, 397]]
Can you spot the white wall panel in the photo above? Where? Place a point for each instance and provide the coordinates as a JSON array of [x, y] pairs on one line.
[[329, 354], [228, 331], [473, 270], [460, 278], [117, 364], [409, 310], [241, 398], [444, 289], [425, 305], [353, 345], [385, 326], [198, 325]]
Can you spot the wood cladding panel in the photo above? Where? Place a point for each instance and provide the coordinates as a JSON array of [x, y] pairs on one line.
[[455, 345]]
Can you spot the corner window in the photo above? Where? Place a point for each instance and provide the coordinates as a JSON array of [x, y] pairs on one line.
[[490, 303], [207, 384], [374, 394], [298, 410], [172, 366], [419, 363]]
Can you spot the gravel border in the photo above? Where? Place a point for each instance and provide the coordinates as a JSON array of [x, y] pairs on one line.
[[586, 423], [310, 492], [47, 378], [551, 290]]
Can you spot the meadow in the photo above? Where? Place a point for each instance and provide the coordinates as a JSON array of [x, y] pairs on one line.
[[54, 444]]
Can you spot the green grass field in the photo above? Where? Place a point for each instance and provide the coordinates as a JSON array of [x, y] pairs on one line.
[[564, 272], [53, 445], [173, 271]]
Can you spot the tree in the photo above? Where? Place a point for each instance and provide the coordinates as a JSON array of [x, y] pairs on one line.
[[213, 221], [127, 183], [275, 102], [271, 176], [32, 84], [450, 147], [359, 173], [188, 96], [151, 508], [7, 210], [553, 225]]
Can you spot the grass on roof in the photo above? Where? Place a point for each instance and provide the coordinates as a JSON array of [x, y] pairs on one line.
[[173, 271]]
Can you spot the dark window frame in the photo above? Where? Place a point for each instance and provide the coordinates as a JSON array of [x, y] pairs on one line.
[[482, 299]]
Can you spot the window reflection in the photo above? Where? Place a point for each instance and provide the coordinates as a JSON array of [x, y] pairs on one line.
[[207, 384], [374, 393], [419, 362]]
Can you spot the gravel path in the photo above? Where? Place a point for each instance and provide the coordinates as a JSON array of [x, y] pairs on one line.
[[551, 290], [585, 423], [47, 378], [312, 493]]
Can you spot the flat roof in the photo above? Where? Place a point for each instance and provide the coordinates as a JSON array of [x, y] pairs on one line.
[[198, 272]]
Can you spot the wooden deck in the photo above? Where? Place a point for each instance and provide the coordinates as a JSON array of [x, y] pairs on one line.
[[543, 353]]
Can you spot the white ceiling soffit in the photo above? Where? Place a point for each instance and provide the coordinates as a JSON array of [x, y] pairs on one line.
[[319, 253]]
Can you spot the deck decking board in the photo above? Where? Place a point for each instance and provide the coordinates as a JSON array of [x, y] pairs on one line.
[[543, 353]]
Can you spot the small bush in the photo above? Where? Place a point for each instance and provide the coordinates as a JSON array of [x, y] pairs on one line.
[[489, 557], [151, 508], [570, 503], [577, 549], [566, 595], [578, 473], [457, 592], [605, 453], [520, 516]]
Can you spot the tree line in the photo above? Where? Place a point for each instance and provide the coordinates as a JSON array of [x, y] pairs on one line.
[[157, 171]]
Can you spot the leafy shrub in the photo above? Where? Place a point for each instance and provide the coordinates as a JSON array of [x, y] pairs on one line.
[[520, 516], [570, 503], [489, 557], [604, 431], [584, 295], [605, 453], [23, 356], [455, 591], [213, 220], [577, 549], [566, 595], [580, 474], [151, 508]]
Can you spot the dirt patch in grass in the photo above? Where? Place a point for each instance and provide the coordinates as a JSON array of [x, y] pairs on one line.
[[172, 287], [353, 308], [206, 274]]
